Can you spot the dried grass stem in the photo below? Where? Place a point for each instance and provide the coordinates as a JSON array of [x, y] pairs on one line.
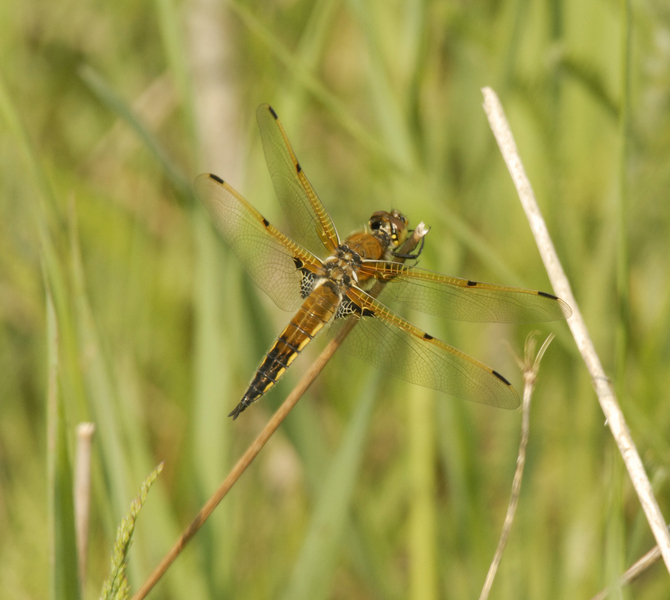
[[601, 382]]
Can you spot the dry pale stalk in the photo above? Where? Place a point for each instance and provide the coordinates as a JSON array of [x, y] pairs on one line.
[[635, 570], [601, 383], [530, 367], [82, 493]]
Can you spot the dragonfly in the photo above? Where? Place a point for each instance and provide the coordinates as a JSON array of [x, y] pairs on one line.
[[323, 279]]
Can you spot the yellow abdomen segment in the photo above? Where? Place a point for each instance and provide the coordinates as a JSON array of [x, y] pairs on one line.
[[317, 310]]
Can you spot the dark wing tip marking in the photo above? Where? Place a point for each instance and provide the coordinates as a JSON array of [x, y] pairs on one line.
[[499, 376], [427, 336], [266, 222], [551, 296], [471, 283], [215, 177], [272, 112]]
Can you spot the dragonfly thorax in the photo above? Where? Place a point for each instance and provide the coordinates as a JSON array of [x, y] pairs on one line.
[[348, 255], [342, 268]]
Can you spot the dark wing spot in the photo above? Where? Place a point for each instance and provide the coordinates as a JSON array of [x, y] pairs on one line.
[[368, 313], [215, 177], [427, 336], [499, 376], [298, 167], [266, 222], [547, 295], [272, 112], [471, 283], [297, 262]]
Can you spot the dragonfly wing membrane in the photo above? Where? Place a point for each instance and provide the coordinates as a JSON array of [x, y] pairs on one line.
[[310, 222], [465, 300], [387, 341], [270, 258]]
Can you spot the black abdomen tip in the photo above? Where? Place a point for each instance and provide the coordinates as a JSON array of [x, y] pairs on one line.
[[238, 410]]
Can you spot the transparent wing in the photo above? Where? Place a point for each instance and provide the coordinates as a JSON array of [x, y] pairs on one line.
[[464, 300], [389, 342], [271, 259], [309, 221]]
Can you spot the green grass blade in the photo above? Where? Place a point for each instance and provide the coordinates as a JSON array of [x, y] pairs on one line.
[[292, 100], [310, 82], [211, 429], [175, 51], [26, 148], [387, 106], [623, 258], [100, 389], [64, 579], [64, 566], [124, 444], [44, 209], [589, 76], [104, 92], [318, 556], [423, 531]]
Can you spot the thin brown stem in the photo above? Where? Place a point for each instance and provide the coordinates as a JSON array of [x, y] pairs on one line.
[[245, 461], [601, 383], [264, 435]]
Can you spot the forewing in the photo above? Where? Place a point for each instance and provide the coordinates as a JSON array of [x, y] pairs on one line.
[[464, 300], [389, 342], [270, 258], [309, 221]]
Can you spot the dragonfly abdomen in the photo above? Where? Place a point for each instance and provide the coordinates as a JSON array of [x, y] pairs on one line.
[[317, 310]]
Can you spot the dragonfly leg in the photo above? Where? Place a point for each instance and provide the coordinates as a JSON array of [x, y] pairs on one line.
[[410, 255]]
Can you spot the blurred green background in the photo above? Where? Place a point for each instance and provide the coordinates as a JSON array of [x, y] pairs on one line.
[[371, 488]]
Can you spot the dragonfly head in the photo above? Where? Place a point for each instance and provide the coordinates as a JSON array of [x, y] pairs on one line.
[[394, 224]]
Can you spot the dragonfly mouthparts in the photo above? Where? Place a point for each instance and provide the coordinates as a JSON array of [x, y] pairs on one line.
[[421, 230]]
